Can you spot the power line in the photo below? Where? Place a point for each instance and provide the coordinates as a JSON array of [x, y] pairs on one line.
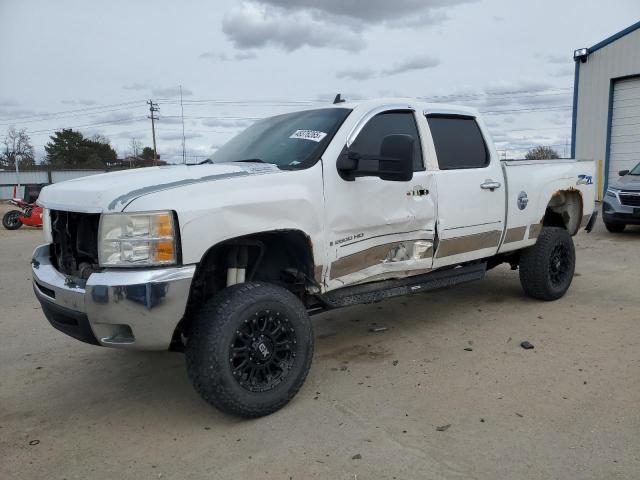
[[86, 111], [97, 109], [522, 110], [99, 124]]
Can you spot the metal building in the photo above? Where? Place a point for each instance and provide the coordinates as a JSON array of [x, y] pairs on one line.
[[606, 103]]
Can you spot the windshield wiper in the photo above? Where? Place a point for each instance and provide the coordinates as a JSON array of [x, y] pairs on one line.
[[250, 160], [246, 160]]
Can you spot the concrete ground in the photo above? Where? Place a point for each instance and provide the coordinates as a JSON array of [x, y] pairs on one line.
[[373, 402]]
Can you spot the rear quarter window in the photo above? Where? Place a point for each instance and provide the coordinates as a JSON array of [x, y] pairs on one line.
[[458, 142]]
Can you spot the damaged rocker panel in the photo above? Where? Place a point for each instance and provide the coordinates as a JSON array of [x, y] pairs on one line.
[[387, 253]]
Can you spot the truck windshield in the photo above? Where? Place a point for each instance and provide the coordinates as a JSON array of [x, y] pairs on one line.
[[292, 140], [635, 170]]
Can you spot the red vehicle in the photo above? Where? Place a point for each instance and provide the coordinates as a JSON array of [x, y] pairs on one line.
[[29, 214]]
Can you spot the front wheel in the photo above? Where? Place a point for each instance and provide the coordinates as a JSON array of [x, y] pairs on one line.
[[249, 349], [615, 227], [11, 220], [546, 269]]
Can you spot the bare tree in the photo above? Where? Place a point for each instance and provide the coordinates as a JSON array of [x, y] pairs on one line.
[[541, 153], [135, 147], [17, 147], [101, 139]]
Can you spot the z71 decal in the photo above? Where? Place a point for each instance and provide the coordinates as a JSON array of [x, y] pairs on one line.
[[584, 180]]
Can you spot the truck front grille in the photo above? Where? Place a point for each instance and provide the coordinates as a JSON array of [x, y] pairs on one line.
[[630, 199], [75, 242]]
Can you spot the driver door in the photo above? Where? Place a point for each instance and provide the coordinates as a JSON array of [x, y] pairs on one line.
[[378, 228]]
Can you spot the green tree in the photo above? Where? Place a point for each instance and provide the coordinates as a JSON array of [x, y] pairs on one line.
[[68, 148], [541, 153], [147, 153]]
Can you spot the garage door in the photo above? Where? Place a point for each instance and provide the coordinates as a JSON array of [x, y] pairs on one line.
[[624, 152]]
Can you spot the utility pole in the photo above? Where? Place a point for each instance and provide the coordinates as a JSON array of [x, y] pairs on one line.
[[153, 107], [184, 154]]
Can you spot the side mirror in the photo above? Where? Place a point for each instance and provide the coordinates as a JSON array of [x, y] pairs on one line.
[[395, 162], [622, 173]]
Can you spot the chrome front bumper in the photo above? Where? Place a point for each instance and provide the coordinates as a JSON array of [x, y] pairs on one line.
[[125, 308]]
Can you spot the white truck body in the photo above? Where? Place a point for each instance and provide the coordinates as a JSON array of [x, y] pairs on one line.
[[355, 203], [354, 227]]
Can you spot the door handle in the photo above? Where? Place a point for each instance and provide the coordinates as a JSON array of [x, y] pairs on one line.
[[490, 185], [418, 191]]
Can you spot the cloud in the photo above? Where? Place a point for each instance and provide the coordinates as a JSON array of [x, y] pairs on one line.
[[566, 59], [12, 112], [254, 25], [116, 117], [418, 62], [293, 24], [80, 101], [224, 122], [135, 86], [364, 73], [522, 86], [329, 97], [170, 92], [375, 11], [9, 102], [178, 136], [567, 71], [223, 57], [173, 120]]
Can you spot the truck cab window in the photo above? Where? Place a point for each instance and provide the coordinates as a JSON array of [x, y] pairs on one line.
[[370, 138], [458, 142]]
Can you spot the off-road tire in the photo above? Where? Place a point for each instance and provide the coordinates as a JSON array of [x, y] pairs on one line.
[[547, 268], [217, 325], [615, 227], [10, 220]]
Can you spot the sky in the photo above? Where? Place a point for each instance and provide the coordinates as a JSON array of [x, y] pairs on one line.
[[93, 66]]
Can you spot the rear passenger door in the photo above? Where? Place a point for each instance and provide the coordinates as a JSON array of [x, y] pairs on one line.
[[471, 190]]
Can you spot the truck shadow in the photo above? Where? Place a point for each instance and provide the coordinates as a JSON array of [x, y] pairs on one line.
[[132, 384]]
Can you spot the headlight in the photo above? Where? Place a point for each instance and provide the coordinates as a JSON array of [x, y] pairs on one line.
[[611, 192], [137, 239]]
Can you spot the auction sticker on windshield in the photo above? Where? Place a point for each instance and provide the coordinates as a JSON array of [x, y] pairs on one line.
[[313, 135]]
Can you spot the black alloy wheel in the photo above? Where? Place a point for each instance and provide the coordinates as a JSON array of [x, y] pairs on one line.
[[263, 350]]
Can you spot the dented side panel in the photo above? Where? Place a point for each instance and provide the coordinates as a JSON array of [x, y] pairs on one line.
[[565, 185], [212, 212], [376, 229]]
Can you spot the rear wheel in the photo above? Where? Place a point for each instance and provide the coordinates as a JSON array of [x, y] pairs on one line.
[[615, 227], [11, 220], [250, 349], [546, 269]]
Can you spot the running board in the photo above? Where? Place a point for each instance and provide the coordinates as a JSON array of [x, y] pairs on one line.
[[377, 291]]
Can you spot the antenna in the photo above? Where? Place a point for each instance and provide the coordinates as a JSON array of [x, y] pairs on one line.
[[338, 99], [184, 155]]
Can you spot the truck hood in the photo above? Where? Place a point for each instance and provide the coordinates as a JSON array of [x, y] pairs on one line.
[[628, 182], [112, 192]]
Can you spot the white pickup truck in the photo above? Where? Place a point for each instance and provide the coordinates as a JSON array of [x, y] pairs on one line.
[[300, 213]]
